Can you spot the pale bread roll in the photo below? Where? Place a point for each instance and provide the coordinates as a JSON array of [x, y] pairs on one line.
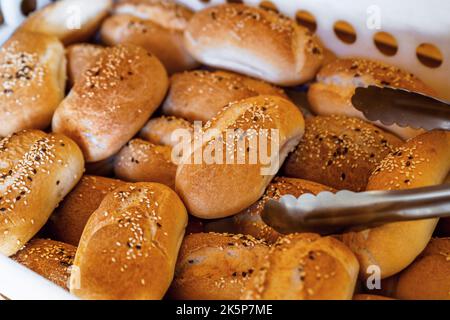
[[160, 130]]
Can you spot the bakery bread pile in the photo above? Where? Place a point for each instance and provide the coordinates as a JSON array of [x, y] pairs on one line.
[[99, 194]]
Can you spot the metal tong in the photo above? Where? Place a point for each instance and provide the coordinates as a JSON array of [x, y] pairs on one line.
[[329, 213]]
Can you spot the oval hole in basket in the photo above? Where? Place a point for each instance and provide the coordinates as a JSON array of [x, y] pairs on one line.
[[268, 5], [386, 43], [306, 19], [28, 6], [345, 32], [205, 1], [2, 19], [234, 1], [429, 55]]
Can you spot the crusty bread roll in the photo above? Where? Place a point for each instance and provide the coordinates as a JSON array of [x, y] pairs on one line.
[[129, 247], [250, 222], [369, 297], [422, 161], [112, 101], [141, 161], [156, 25], [199, 95], [340, 152], [255, 42], [211, 189], [67, 222], [159, 130], [69, 20], [305, 267], [51, 259], [213, 266], [79, 56], [33, 71], [36, 171], [337, 81]]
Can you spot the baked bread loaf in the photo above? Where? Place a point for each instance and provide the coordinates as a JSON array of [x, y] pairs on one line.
[[422, 161], [250, 222], [141, 161], [33, 71], [337, 81], [155, 25], [36, 171], [112, 101], [199, 95], [213, 266], [79, 56], [51, 259], [305, 267], [69, 20], [255, 42], [159, 130], [67, 222], [132, 239], [222, 185], [340, 152]]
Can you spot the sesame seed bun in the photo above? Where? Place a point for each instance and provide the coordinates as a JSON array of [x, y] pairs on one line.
[[51, 259], [422, 161], [157, 26], [340, 152], [113, 100], [212, 190], [37, 170], [199, 95], [79, 56], [254, 42], [159, 130], [214, 266], [141, 161], [33, 69], [69, 20], [68, 221], [337, 81], [129, 247]]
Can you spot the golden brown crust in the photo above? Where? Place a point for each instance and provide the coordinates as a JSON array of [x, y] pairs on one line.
[[367, 297], [422, 161], [132, 239], [199, 95], [70, 20], [141, 161], [250, 222], [340, 152], [51, 259], [33, 72], [214, 266], [79, 57], [37, 170], [159, 130], [112, 101], [221, 190], [68, 221], [337, 81], [305, 267], [255, 42]]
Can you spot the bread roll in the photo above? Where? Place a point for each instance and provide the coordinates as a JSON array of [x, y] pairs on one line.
[[129, 247], [217, 189], [79, 56], [33, 73], [305, 267], [69, 20], [254, 42], [156, 25], [68, 221], [141, 161], [51, 259], [340, 152], [36, 171], [112, 101], [159, 130], [250, 222], [214, 266], [337, 81], [199, 95], [367, 297], [422, 161]]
